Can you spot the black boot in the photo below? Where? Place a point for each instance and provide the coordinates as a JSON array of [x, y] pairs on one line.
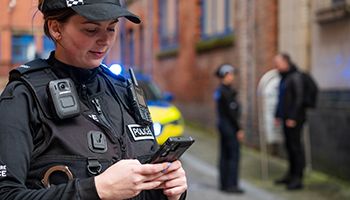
[[295, 184], [233, 190], [283, 180]]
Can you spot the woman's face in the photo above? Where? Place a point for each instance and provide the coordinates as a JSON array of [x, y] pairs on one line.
[[83, 43], [229, 78]]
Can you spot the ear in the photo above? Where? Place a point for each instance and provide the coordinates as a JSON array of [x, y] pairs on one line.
[[54, 29]]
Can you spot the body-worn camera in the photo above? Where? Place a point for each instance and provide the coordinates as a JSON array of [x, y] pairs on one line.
[[138, 102], [64, 98]]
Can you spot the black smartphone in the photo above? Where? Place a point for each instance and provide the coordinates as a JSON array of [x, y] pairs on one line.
[[171, 150]]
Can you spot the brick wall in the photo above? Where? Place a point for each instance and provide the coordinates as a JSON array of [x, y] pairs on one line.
[[22, 18], [257, 44]]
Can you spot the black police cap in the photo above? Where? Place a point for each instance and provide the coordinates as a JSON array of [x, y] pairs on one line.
[[95, 10]]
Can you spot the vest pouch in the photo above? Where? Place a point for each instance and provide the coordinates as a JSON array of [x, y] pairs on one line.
[[78, 166]]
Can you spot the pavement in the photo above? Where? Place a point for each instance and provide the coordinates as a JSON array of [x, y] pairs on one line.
[[202, 183], [200, 165]]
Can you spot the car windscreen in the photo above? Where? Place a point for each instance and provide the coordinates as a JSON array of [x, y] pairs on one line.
[[151, 90]]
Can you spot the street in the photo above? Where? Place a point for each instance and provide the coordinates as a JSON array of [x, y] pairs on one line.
[[202, 181], [202, 174], [200, 165]]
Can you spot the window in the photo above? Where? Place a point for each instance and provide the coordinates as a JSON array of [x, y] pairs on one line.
[[141, 47], [168, 26], [338, 2], [131, 48], [23, 48], [217, 18]]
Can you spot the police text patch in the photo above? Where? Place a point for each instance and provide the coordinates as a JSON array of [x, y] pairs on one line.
[[140, 132], [3, 172]]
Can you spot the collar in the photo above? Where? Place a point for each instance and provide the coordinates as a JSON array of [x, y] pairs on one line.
[[77, 74]]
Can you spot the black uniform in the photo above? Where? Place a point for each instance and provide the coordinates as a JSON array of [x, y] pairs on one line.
[[32, 141], [290, 106], [228, 124]]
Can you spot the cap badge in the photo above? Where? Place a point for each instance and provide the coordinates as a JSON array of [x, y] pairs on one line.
[[71, 3]]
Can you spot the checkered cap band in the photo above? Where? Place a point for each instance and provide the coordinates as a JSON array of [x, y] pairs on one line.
[[71, 3]]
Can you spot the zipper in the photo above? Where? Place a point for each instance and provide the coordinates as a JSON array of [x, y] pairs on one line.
[[97, 105], [105, 125], [84, 91]]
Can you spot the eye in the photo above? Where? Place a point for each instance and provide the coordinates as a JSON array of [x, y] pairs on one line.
[[91, 30], [111, 29]]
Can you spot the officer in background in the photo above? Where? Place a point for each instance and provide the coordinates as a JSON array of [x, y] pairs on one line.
[[69, 129], [231, 135]]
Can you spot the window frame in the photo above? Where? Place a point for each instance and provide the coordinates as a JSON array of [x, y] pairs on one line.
[[131, 46], [228, 29], [165, 41]]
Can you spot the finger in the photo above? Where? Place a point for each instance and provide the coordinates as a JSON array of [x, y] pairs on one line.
[[178, 182], [173, 166], [147, 169], [170, 176], [131, 162], [153, 177], [175, 191], [149, 185]]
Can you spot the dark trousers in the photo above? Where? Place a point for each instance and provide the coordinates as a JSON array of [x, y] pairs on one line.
[[229, 155], [295, 150]]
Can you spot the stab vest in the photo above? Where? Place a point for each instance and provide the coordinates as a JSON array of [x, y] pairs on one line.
[[83, 144]]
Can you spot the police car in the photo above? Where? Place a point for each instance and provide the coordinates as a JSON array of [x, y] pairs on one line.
[[167, 119]]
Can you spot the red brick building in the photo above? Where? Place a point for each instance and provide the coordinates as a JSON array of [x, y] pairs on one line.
[[185, 41]]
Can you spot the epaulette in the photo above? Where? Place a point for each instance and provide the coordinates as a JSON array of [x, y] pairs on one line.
[[33, 66], [35, 75]]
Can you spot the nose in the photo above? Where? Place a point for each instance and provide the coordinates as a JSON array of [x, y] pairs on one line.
[[104, 38]]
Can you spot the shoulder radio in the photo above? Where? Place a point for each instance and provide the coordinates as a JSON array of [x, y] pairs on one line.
[[138, 101]]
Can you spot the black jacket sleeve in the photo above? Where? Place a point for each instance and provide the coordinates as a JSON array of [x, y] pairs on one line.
[[296, 92], [229, 106], [17, 133]]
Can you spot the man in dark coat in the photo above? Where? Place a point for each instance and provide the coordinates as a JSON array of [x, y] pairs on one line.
[[290, 113]]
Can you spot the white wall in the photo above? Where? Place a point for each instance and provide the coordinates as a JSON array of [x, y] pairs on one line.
[[331, 54], [294, 30]]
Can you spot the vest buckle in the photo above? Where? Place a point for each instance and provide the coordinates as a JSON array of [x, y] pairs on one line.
[[94, 167]]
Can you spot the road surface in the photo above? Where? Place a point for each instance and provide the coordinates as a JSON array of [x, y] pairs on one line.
[[202, 183]]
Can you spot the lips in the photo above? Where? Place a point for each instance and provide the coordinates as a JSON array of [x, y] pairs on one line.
[[98, 54]]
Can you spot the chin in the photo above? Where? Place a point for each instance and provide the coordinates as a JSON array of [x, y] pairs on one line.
[[93, 64]]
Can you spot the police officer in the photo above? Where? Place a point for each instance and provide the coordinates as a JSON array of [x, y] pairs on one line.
[[231, 134], [69, 130]]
